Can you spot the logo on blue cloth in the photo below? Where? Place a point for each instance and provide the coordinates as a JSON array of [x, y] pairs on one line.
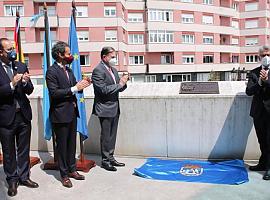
[[191, 170]]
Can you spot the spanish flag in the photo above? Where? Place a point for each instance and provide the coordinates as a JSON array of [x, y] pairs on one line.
[[17, 39]]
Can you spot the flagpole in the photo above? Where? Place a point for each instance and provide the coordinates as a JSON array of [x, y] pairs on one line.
[[19, 36], [46, 24], [82, 164]]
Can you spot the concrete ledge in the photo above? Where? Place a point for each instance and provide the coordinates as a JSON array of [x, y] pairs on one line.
[[157, 121]]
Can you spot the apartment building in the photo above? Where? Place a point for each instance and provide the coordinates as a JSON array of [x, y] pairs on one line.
[[155, 40]]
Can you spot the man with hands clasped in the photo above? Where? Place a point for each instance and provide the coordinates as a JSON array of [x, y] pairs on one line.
[[259, 87], [62, 87], [15, 118], [107, 86]]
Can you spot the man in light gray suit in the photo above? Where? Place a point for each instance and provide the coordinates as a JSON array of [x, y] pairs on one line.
[[107, 86]]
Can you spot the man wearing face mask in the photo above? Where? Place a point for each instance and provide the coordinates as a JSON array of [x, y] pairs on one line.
[[15, 118], [259, 87], [107, 86], [62, 87]]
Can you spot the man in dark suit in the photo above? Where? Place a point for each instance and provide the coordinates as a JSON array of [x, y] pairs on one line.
[[107, 86], [15, 118], [259, 87], [62, 87]]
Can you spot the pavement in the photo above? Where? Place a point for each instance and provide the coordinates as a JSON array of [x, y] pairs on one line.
[[123, 185]]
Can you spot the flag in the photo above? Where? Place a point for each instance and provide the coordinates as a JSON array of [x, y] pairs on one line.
[[17, 39], [46, 99], [76, 67], [231, 172]]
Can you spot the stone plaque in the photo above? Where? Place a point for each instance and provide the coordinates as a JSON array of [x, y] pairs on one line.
[[199, 88]]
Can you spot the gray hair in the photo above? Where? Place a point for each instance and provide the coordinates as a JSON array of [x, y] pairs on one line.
[[264, 48]]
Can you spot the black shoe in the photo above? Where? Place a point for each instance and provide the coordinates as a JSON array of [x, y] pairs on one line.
[[266, 175], [29, 183], [259, 167], [12, 189], [108, 166], [117, 164]]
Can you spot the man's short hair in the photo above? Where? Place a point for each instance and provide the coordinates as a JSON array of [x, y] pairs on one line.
[[264, 48], [1, 42], [106, 50], [59, 47]]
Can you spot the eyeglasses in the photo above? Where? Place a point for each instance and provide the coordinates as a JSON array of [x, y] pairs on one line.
[[267, 54]]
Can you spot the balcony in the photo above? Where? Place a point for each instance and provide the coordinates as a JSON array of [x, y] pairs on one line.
[[54, 22]]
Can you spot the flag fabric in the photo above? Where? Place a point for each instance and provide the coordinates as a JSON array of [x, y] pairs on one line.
[[46, 99], [17, 39], [231, 172], [76, 68]]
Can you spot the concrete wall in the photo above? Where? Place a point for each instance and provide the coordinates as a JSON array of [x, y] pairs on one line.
[[158, 121]]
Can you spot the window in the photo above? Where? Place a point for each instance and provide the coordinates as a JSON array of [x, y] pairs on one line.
[[53, 36], [135, 17], [84, 60], [10, 10], [136, 60], [188, 39], [252, 58], [10, 35], [208, 59], [135, 39], [161, 36], [51, 10], [150, 78], [110, 11], [235, 24], [208, 2], [110, 35], [235, 41], [178, 77], [251, 6], [166, 59], [188, 59], [160, 15], [82, 11], [208, 39], [83, 35], [187, 1], [235, 6], [187, 18], [235, 59], [251, 41], [207, 19], [26, 61], [251, 23]]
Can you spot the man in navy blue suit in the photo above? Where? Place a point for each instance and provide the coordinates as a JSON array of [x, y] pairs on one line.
[[15, 118], [64, 111]]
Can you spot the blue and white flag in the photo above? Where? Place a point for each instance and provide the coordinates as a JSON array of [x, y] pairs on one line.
[[231, 172], [76, 68]]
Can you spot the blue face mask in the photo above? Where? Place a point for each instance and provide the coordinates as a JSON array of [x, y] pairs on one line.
[[12, 55]]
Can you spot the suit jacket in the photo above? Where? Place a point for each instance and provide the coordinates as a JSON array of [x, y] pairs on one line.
[[61, 98], [261, 94], [106, 101], [8, 96]]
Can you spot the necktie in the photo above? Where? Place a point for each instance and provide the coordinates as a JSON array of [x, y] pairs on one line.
[[9, 72], [112, 75], [65, 71]]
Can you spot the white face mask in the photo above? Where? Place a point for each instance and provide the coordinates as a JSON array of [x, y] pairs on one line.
[[112, 62], [265, 62]]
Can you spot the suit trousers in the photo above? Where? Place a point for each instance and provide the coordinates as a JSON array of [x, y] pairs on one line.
[[15, 140], [66, 134], [108, 137], [262, 127]]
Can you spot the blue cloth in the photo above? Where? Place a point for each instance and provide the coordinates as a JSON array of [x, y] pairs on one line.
[[231, 172], [46, 99], [76, 68]]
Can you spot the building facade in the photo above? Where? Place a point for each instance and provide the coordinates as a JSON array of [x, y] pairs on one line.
[[155, 40]]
